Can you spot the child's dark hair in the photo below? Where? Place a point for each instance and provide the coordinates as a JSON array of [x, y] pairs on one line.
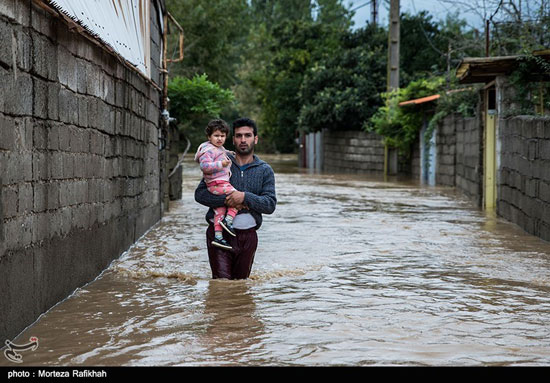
[[217, 124]]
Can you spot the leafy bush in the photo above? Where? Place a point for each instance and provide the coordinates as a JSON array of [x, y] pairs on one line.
[[194, 101], [400, 125]]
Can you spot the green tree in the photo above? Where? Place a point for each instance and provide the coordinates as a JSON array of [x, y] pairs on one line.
[[421, 50], [273, 12], [430, 48], [342, 91], [194, 101], [215, 35], [297, 37]]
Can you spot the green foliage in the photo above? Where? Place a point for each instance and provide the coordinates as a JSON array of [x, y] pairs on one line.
[[429, 48], [296, 38], [194, 101], [421, 48], [462, 101], [216, 34], [191, 98], [531, 83], [400, 124], [297, 65], [429, 53], [342, 91]]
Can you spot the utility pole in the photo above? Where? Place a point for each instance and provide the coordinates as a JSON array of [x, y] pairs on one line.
[[390, 154], [374, 12], [393, 47]]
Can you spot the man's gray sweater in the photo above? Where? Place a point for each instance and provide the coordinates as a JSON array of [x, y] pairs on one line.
[[257, 181]]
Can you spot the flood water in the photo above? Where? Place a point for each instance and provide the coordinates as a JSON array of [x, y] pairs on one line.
[[350, 270]]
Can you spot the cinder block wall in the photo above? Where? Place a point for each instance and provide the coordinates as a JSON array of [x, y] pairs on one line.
[[459, 155], [79, 160], [446, 152], [416, 159], [352, 151], [469, 159], [524, 173]]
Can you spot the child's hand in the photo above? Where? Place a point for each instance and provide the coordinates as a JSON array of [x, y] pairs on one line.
[[226, 163]]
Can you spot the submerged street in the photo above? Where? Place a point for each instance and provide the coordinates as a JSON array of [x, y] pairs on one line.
[[350, 270]]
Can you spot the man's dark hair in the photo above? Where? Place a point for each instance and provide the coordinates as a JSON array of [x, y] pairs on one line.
[[245, 121], [217, 124]]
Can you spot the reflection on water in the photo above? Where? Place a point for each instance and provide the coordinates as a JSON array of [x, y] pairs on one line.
[[350, 270], [233, 331]]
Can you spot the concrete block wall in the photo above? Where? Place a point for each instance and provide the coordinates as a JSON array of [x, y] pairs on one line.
[[523, 180], [416, 159], [469, 159], [79, 160], [459, 157], [523, 194], [446, 152], [352, 151]]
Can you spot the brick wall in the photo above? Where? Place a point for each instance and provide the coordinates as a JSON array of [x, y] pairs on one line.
[[79, 160], [524, 173]]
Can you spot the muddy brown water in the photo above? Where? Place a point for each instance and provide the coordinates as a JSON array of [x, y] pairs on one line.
[[351, 270]]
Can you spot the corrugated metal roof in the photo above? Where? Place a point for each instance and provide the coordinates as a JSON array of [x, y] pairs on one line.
[[124, 25]]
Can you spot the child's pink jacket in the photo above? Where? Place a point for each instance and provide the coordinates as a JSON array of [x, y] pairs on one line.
[[210, 159]]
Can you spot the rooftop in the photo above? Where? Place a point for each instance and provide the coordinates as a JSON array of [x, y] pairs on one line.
[[485, 69]]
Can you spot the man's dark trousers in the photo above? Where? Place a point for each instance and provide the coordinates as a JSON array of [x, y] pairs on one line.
[[236, 263]]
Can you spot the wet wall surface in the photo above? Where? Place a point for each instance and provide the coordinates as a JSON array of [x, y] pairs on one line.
[[350, 270]]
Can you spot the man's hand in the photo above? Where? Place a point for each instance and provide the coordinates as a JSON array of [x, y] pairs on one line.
[[235, 199], [226, 163]]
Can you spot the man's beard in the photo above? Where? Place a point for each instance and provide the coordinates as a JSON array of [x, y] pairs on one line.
[[246, 151]]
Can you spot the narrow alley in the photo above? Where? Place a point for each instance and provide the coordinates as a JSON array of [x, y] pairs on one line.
[[350, 270]]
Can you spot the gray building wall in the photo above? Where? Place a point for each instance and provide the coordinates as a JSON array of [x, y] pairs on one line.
[[79, 160], [523, 194]]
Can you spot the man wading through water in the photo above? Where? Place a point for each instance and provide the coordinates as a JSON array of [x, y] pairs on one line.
[[254, 182]]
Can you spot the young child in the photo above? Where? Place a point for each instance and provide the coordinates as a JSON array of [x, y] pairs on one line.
[[216, 170]]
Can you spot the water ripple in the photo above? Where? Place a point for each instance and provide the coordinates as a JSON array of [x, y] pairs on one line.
[[350, 270]]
